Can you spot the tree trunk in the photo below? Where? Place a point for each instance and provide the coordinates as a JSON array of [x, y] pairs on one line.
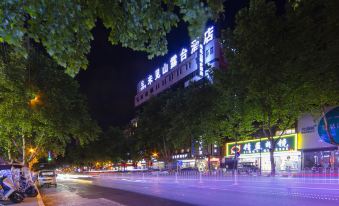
[[9, 152], [272, 157], [23, 150]]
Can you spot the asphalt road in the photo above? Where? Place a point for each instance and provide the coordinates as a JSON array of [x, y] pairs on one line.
[[83, 192], [151, 191]]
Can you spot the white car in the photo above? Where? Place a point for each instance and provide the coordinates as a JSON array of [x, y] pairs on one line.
[[159, 172], [47, 177]]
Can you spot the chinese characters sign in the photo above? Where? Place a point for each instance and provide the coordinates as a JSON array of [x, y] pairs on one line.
[[285, 143], [196, 46]]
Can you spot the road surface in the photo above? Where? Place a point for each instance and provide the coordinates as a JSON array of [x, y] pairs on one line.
[[164, 191]]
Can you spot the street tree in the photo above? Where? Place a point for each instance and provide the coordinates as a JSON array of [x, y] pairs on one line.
[[152, 131], [232, 114], [259, 47], [64, 27], [314, 29], [40, 106], [110, 146]]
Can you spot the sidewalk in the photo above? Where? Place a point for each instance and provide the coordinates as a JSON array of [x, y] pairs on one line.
[[28, 201]]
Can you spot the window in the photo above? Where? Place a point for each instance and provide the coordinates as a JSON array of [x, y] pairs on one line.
[[151, 90], [177, 72], [142, 96], [189, 65], [146, 94], [207, 53], [137, 99], [180, 71]]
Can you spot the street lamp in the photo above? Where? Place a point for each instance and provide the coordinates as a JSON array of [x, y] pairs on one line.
[[35, 100], [31, 150], [155, 154]]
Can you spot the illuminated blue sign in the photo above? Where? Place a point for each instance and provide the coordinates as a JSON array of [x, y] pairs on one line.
[[208, 35], [196, 46], [332, 128]]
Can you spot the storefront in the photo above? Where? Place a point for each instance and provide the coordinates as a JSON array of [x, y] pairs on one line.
[[316, 147], [256, 152], [214, 163], [183, 160]]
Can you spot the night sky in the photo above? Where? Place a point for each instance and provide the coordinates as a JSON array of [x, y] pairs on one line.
[[111, 78]]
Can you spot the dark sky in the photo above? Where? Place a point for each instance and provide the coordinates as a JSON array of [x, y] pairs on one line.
[[110, 80]]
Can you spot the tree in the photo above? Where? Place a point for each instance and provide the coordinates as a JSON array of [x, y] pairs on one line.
[[259, 50], [112, 145], [176, 119], [152, 131], [64, 27], [314, 29], [232, 118], [40, 106]]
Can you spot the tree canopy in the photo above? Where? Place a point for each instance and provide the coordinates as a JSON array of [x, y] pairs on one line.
[[40, 106], [64, 27], [176, 119], [283, 62]]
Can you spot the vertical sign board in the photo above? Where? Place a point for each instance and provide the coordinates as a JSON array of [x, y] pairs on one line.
[[248, 147], [201, 60]]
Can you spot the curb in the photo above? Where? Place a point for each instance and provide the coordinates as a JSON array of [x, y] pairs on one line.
[[39, 198]]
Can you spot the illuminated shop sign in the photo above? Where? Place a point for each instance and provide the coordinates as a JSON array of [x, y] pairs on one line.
[[248, 147], [180, 156], [196, 46]]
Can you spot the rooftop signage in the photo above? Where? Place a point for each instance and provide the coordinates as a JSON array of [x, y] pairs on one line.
[[196, 46]]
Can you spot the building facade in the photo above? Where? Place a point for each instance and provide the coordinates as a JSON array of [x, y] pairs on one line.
[[317, 150], [256, 152], [306, 148], [189, 64]]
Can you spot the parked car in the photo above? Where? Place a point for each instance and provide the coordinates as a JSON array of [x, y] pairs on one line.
[[159, 172], [247, 167], [47, 177]]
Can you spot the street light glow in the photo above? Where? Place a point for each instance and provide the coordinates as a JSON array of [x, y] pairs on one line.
[[36, 100], [155, 154]]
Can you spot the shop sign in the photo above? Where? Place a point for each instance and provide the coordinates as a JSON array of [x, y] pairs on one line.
[[309, 129], [285, 143], [180, 156]]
